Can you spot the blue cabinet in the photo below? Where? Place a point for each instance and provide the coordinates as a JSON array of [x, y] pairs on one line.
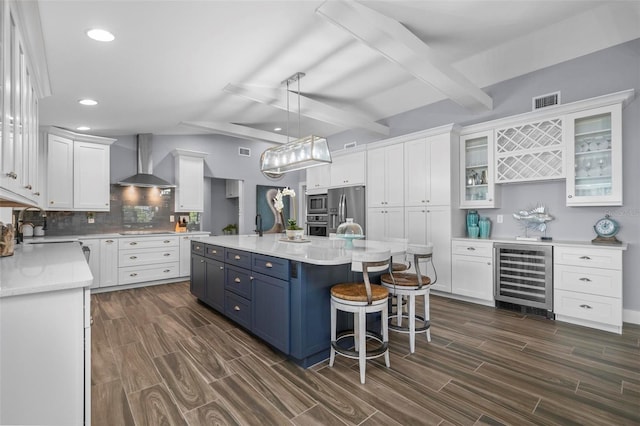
[[214, 293], [198, 279], [238, 280], [270, 304]]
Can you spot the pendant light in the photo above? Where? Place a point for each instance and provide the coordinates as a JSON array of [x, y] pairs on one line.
[[299, 154]]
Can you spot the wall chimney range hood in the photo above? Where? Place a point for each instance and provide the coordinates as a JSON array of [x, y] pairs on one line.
[[145, 178]]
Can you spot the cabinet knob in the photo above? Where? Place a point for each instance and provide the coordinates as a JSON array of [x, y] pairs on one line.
[[237, 280], [167, 270], [37, 194], [133, 257], [585, 258], [133, 274], [471, 248], [490, 199], [167, 254], [201, 261], [28, 187], [586, 307], [268, 265], [236, 257], [12, 175], [585, 280], [236, 308], [133, 243], [214, 251], [166, 241], [569, 196], [109, 241], [489, 263], [221, 267], [50, 202], [106, 204]]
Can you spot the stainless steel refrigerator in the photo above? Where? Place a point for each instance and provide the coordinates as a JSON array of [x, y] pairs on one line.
[[346, 202]]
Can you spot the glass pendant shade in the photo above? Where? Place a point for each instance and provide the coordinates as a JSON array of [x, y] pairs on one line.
[[300, 154]]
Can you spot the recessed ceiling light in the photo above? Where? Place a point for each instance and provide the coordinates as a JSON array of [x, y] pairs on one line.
[[83, 128], [277, 129], [87, 102], [100, 35]]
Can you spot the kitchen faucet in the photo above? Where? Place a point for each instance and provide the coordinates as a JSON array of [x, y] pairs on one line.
[[259, 224], [43, 214]]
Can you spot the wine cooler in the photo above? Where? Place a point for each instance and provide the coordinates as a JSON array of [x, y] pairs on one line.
[[524, 277]]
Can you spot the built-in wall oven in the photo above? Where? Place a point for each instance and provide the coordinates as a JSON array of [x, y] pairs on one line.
[[317, 225], [317, 204]]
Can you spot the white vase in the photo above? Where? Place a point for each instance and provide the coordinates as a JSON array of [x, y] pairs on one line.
[[295, 234]]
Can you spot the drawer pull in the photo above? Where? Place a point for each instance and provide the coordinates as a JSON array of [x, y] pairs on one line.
[[197, 247], [586, 280], [221, 267], [586, 307], [585, 258], [167, 254], [133, 257], [167, 270], [236, 257], [236, 308], [214, 251], [201, 261], [133, 243], [268, 265], [166, 241], [109, 241], [471, 248], [133, 274], [237, 280]]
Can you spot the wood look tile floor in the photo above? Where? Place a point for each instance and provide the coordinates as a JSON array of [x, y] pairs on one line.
[[159, 357]]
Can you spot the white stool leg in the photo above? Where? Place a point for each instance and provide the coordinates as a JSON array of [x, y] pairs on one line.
[[334, 313], [362, 351], [412, 323], [426, 314], [385, 335], [356, 332], [399, 309]]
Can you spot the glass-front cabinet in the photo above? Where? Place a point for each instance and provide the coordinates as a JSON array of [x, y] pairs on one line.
[[477, 171], [594, 155]]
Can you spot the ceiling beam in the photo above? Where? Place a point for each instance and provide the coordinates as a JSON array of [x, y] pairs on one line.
[[395, 42], [308, 107], [236, 130]]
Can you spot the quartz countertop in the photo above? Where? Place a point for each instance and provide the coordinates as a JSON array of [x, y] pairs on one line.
[[556, 243], [38, 268], [318, 251], [61, 238]]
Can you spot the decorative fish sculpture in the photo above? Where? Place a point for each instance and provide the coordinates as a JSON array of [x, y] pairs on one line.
[[535, 218]]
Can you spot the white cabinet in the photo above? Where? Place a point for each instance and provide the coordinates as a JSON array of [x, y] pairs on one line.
[[385, 176], [78, 167], [148, 259], [348, 169], [232, 188], [94, 260], [108, 262], [472, 266], [318, 179], [427, 168], [477, 182], [587, 286], [185, 253], [594, 157], [189, 169], [385, 223]]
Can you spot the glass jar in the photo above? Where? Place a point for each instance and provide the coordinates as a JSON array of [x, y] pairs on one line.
[[485, 227], [349, 228]]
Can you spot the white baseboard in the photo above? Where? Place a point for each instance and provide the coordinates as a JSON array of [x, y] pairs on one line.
[[630, 316]]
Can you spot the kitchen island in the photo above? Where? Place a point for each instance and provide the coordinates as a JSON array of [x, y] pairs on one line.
[[44, 327], [278, 290]]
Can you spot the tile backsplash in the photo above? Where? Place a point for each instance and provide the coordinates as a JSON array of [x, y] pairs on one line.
[[132, 209]]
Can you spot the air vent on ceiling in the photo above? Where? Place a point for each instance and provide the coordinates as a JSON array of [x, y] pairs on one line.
[[544, 101], [244, 152], [350, 145]]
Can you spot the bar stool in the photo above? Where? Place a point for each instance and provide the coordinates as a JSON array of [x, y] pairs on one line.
[[361, 299], [406, 284]]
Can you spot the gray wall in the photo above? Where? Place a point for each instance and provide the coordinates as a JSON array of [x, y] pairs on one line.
[[600, 73]]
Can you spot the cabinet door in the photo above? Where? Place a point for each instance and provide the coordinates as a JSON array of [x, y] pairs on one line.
[[472, 277], [439, 176], [394, 176], [477, 171], [198, 284], [270, 317], [108, 262], [439, 234], [416, 172], [348, 169], [416, 225], [91, 176], [594, 152], [394, 222], [190, 184], [214, 293], [232, 188], [318, 179], [59, 173], [376, 191], [376, 224], [185, 255], [94, 260]]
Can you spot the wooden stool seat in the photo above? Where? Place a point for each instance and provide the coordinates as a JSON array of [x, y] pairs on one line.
[[405, 280], [357, 292]]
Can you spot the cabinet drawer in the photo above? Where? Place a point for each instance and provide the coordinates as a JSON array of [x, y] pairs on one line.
[[197, 247], [135, 274], [148, 256], [238, 257], [472, 248], [238, 309], [272, 266], [238, 280], [147, 242], [607, 310], [592, 257], [604, 282], [214, 252]]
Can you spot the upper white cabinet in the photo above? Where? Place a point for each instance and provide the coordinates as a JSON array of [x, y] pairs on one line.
[[318, 179], [20, 90], [78, 175], [476, 171], [427, 168], [385, 176], [594, 157], [348, 169], [232, 188], [189, 169]]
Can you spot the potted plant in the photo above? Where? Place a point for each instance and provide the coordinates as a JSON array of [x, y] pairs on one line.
[[230, 229], [294, 232]]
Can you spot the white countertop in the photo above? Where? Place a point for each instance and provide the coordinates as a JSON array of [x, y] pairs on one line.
[[319, 251], [556, 243], [38, 268], [59, 238]]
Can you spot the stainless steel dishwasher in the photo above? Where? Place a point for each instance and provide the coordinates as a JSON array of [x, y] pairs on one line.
[[524, 277]]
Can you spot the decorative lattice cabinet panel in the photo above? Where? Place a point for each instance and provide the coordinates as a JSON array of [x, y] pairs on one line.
[[530, 152]]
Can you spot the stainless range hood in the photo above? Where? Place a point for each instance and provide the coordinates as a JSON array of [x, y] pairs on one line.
[[145, 178]]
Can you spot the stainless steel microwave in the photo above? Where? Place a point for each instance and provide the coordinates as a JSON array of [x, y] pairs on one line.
[[317, 204]]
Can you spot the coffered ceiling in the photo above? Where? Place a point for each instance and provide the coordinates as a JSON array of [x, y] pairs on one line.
[[187, 67]]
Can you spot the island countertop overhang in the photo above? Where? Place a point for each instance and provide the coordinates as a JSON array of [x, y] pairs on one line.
[[317, 251]]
